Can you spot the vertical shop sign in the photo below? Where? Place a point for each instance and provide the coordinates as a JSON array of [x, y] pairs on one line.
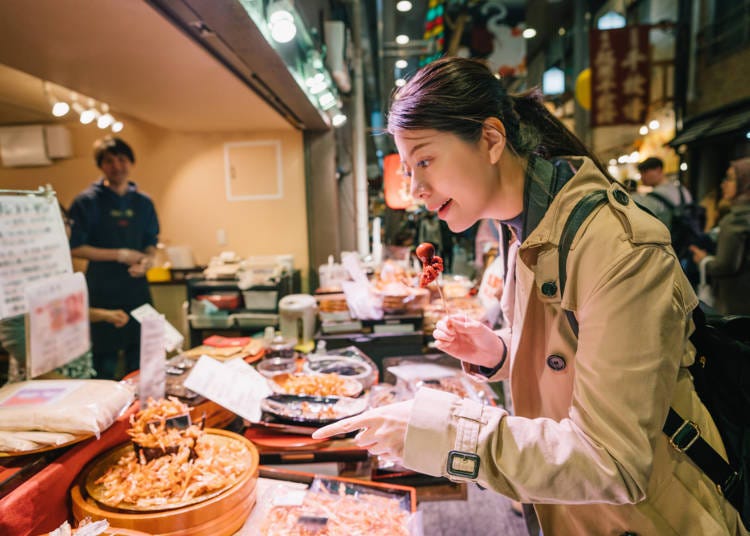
[[620, 70]]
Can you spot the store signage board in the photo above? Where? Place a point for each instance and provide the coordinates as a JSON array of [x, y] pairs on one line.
[[152, 379], [173, 339], [234, 385], [58, 322], [33, 247], [620, 76]]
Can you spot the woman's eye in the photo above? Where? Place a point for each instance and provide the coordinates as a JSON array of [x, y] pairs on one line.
[[423, 163]]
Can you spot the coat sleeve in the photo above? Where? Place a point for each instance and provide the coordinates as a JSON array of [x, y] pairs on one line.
[[626, 368]]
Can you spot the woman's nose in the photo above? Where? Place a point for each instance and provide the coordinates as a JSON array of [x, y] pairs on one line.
[[418, 188]]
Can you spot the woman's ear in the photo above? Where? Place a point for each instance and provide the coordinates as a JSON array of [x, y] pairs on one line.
[[493, 133]]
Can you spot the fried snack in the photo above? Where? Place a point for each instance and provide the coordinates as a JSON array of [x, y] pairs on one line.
[[174, 478], [329, 514], [151, 436], [318, 385]]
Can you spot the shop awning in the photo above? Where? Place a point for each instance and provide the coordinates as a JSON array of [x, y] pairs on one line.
[[714, 124]]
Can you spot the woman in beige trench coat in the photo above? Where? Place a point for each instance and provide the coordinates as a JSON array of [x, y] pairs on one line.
[[585, 444]]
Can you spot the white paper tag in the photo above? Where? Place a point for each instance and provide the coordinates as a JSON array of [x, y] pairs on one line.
[[152, 377], [421, 371], [234, 385], [58, 322], [173, 339]]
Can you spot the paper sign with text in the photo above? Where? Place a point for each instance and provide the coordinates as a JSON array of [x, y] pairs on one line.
[[33, 247], [58, 322], [152, 377], [234, 385]]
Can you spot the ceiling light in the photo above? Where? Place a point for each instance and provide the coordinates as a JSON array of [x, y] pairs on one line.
[[553, 81], [683, 166], [623, 159], [643, 130], [635, 156], [653, 124], [612, 162], [87, 116], [327, 100], [528, 33], [117, 126], [402, 39], [561, 32], [400, 82], [105, 120], [402, 64], [403, 6], [281, 24], [60, 108], [747, 134], [611, 20], [338, 120]]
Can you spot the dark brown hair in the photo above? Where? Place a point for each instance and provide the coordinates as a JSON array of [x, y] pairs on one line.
[[457, 95], [114, 146]]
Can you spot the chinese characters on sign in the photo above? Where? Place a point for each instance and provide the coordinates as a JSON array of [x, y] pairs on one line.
[[620, 70]]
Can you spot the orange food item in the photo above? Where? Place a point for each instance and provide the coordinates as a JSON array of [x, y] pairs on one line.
[[318, 385], [432, 264]]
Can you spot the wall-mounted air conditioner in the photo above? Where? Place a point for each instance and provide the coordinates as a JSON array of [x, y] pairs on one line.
[[34, 145]]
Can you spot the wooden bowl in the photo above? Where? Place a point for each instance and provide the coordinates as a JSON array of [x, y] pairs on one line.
[[220, 515]]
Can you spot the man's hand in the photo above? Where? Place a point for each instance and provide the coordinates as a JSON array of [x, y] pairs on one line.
[[129, 256], [117, 317]]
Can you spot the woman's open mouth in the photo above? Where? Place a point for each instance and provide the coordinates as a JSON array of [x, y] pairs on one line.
[[442, 209]]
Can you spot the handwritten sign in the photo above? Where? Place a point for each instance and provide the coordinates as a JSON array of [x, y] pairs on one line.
[[173, 339], [152, 379], [58, 309], [33, 247]]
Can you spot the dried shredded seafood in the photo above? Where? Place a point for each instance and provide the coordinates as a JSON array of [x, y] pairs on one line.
[[318, 385], [329, 514]]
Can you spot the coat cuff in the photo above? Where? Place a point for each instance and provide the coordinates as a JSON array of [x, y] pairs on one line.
[[430, 434]]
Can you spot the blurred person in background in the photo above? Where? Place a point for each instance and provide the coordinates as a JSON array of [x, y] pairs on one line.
[[115, 228], [729, 268]]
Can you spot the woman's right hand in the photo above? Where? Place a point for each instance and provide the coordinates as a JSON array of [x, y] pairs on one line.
[[129, 256], [468, 340]]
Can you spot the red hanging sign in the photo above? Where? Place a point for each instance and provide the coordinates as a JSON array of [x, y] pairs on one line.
[[620, 76], [397, 186]]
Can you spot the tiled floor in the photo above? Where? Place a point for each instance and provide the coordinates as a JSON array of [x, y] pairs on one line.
[[484, 513]]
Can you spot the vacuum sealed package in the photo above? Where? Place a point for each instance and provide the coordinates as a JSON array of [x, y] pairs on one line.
[[66, 406]]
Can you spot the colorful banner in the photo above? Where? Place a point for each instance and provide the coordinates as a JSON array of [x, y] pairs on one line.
[[620, 76]]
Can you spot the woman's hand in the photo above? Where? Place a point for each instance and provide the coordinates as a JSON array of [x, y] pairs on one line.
[[129, 256], [698, 254], [383, 429], [468, 340], [117, 317]]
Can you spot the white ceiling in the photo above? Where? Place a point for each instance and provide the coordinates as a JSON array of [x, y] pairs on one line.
[[126, 54]]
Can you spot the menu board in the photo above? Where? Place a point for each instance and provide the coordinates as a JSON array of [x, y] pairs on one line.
[[33, 247]]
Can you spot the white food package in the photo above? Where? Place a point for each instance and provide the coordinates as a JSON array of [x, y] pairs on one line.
[[69, 406]]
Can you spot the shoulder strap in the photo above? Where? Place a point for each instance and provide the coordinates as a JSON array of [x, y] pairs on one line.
[[670, 205], [683, 435], [578, 215]]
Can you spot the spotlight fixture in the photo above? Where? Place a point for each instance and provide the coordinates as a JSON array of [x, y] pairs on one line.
[[403, 6], [400, 82], [281, 22], [653, 124], [402, 39], [117, 126], [529, 33], [643, 130], [683, 166], [88, 115], [60, 108], [402, 64]]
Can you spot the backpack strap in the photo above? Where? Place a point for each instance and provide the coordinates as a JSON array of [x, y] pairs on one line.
[[683, 435], [578, 215], [671, 206]]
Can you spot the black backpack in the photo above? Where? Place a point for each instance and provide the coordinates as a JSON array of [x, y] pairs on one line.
[[688, 221], [721, 374]]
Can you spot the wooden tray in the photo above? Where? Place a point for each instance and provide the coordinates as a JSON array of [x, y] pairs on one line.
[[220, 515]]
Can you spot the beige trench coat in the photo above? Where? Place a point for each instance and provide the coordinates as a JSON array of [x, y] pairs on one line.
[[585, 443]]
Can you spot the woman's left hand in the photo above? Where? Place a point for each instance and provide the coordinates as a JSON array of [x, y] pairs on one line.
[[698, 254], [383, 429]]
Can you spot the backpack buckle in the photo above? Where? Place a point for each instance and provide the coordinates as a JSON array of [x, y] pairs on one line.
[[684, 437]]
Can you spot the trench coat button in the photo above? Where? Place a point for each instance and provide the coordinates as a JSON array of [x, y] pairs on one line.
[[556, 362], [549, 288], [621, 197]]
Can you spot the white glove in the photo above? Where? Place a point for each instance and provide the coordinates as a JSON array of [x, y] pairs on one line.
[[469, 340], [383, 429], [129, 256]]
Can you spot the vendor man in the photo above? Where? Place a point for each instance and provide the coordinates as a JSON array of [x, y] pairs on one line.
[[114, 227]]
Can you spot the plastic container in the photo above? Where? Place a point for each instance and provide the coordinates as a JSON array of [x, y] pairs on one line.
[[261, 300], [222, 300], [255, 320], [211, 321]]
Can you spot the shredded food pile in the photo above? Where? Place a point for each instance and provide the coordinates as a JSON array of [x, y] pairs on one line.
[[328, 514], [319, 385], [201, 465]]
